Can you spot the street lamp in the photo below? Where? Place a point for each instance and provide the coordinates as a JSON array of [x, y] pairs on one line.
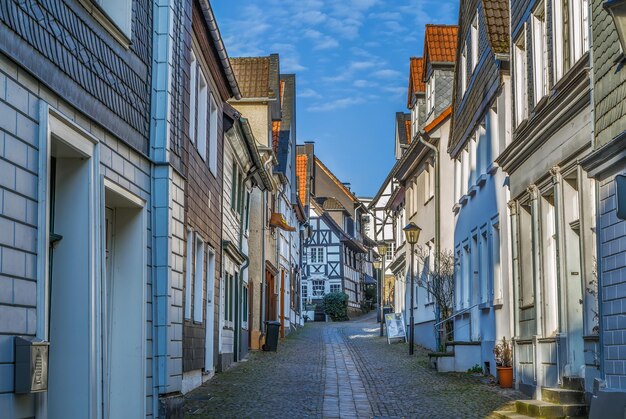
[[617, 10], [412, 234], [382, 251]]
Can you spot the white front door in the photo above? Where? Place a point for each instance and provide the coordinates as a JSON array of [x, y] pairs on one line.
[[210, 314]]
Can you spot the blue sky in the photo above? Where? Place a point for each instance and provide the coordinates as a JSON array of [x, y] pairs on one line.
[[351, 60]]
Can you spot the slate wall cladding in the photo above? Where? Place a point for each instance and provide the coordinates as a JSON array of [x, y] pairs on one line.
[[610, 81], [612, 235], [470, 106], [444, 83], [68, 50], [203, 192], [20, 98]]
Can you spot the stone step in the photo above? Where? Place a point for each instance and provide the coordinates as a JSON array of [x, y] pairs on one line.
[[543, 409], [562, 395], [573, 383], [509, 414]]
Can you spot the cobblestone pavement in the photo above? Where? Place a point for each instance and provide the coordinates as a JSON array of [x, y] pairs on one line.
[[344, 370]]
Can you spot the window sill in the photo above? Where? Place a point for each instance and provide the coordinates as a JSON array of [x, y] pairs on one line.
[[456, 207], [464, 200], [482, 179], [493, 168], [472, 190], [106, 22]]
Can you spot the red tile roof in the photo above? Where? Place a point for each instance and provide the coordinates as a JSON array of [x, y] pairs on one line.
[[275, 135], [407, 126], [497, 18], [440, 44], [416, 82], [435, 123], [301, 162]]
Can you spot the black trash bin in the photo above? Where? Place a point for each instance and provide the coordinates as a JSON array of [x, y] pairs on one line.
[[271, 335]]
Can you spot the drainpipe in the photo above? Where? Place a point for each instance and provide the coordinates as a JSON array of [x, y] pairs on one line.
[[421, 137], [264, 273]]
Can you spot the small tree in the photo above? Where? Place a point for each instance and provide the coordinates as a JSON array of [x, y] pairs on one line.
[[437, 278], [336, 306]]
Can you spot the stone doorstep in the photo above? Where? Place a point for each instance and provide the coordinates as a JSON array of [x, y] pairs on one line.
[[562, 395], [540, 408]]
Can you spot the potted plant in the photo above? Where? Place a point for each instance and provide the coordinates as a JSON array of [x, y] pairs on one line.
[[504, 363]]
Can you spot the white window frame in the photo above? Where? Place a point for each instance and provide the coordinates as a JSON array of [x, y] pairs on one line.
[[474, 41], [198, 280], [304, 293], [244, 306], [464, 68], [317, 255], [540, 53], [189, 275], [318, 287], [430, 93], [202, 114], [193, 97], [521, 77], [558, 40], [337, 287], [213, 115], [391, 251]]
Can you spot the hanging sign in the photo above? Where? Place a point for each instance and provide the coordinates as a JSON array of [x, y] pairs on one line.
[[395, 326]]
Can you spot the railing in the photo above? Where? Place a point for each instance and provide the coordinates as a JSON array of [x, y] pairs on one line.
[[465, 310]]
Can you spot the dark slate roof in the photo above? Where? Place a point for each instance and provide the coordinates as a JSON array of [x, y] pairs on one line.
[[401, 124], [497, 19], [287, 134]]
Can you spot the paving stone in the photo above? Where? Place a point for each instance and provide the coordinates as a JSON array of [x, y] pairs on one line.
[[343, 370]]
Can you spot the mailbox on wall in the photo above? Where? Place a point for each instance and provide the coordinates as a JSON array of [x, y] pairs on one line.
[[620, 196], [31, 365]]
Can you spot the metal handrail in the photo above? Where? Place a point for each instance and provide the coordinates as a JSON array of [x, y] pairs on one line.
[[456, 314]]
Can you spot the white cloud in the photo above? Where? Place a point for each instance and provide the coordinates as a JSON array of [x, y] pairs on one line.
[[386, 74], [363, 83], [335, 104], [308, 93]]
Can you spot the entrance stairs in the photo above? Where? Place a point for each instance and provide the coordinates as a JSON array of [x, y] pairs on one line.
[[567, 401]]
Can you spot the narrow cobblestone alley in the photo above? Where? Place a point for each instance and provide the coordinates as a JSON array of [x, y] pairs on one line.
[[342, 370]]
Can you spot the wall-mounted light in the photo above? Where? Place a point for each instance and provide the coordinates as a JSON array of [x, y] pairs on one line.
[[617, 10]]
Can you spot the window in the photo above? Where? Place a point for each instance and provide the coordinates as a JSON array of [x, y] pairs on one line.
[[474, 40], [472, 160], [247, 212], [526, 264], [465, 164], [318, 287], [521, 101], [457, 179], [560, 42], [120, 12], [335, 287], [193, 97], [540, 52], [464, 69], [201, 118], [391, 250], [213, 136], [305, 292], [198, 280], [244, 307], [484, 267], [189, 275], [430, 94], [316, 255], [238, 190], [495, 262], [429, 182]]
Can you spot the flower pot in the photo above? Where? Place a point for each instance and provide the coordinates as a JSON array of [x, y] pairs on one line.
[[505, 377]]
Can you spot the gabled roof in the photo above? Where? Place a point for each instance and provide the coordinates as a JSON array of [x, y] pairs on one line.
[[439, 45], [497, 19], [285, 144], [336, 181], [403, 125], [416, 82], [257, 76], [343, 237], [331, 204]]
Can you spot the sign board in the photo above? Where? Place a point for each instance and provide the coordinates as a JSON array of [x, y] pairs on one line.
[[395, 326]]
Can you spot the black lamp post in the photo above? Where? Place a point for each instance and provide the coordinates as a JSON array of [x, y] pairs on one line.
[[382, 251], [617, 10], [412, 234]]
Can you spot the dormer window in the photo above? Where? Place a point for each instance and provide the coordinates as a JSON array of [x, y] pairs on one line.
[[430, 94], [464, 69]]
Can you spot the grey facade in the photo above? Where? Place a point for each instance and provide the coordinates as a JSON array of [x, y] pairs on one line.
[[605, 164], [66, 79]]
